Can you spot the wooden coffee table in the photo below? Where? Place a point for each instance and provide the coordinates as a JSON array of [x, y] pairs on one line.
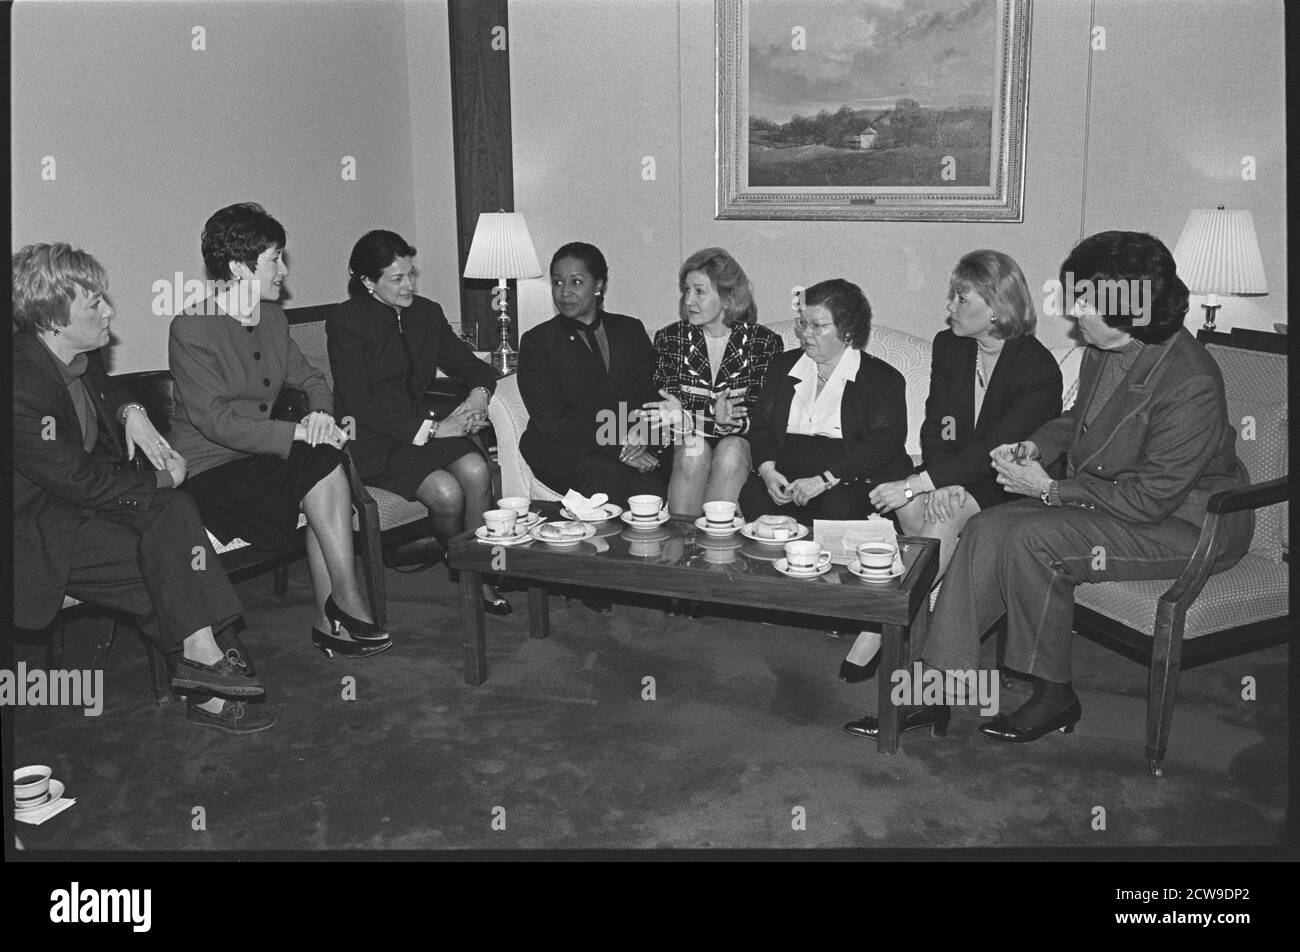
[[678, 561]]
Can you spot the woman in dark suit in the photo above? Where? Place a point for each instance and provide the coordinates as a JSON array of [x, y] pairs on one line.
[[831, 420], [583, 375], [386, 345], [1133, 464], [991, 382]]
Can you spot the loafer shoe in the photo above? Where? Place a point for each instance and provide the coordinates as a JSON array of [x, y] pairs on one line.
[[235, 717], [228, 677]]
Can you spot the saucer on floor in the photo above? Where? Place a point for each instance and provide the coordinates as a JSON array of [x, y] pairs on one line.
[[703, 525], [636, 522], [519, 535], [601, 514], [783, 566], [56, 793], [874, 575]]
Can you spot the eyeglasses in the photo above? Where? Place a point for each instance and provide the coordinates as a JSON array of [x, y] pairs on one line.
[[801, 325]]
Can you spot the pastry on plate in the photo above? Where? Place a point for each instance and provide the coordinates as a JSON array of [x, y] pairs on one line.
[[559, 531], [765, 526]]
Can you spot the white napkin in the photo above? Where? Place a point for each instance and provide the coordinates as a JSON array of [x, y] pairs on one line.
[[843, 536], [581, 506], [39, 815]]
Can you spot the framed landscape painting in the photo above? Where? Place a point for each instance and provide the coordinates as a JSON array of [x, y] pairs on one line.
[[872, 109]]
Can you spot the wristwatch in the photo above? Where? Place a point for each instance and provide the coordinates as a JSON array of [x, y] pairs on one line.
[[1046, 494], [908, 493]]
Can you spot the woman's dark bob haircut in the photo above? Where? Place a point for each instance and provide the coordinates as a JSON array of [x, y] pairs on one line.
[[590, 257], [848, 306], [372, 253], [1131, 280], [238, 233]]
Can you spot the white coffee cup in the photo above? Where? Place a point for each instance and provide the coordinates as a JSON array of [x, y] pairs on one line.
[[31, 786], [720, 513], [500, 522], [645, 506], [519, 504], [876, 555], [805, 556]]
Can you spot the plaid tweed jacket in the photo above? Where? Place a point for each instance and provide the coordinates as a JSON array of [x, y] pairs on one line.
[[682, 369]]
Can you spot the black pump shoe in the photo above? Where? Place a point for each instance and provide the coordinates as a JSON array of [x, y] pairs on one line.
[[934, 716], [497, 606], [1064, 722], [328, 644], [358, 629], [857, 673]]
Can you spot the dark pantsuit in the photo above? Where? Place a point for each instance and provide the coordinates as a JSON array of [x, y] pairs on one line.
[[1024, 560], [144, 563]]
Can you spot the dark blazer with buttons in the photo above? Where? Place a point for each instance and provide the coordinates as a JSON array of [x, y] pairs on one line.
[[568, 392], [227, 378], [57, 484], [873, 419], [1023, 393], [379, 382], [1160, 447]]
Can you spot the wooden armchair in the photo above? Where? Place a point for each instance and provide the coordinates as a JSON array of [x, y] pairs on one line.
[[1199, 617]]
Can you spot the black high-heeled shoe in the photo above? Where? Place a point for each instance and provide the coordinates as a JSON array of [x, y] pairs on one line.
[[327, 644], [857, 673], [358, 629], [933, 716], [1064, 722], [497, 606]]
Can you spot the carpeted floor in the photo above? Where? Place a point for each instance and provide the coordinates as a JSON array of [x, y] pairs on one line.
[[740, 746]]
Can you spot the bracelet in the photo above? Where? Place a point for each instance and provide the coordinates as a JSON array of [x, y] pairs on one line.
[[433, 430], [121, 414]]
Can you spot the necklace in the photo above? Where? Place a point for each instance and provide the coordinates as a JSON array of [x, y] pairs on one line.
[[980, 377]]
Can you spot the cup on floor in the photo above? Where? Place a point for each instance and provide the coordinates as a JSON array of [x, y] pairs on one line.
[[31, 786]]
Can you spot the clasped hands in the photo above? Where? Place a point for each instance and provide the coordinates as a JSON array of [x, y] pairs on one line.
[[319, 427], [783, 491], [1019, 468]]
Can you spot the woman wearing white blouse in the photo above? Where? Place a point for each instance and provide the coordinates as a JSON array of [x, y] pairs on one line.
[[831, 420]]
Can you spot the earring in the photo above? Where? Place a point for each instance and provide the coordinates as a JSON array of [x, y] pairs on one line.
[[993, 320]]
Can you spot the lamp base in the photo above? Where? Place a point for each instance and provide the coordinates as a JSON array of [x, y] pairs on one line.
[[505, 358], [1210, 310]]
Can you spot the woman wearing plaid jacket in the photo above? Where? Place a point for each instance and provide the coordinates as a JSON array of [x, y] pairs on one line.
[[709, 368]]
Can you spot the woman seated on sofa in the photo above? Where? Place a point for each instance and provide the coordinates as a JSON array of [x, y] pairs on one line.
[[831, 420], [249, 474], [386, 346], [581, 376], [1144, 447], [709, 367], [991, 382]]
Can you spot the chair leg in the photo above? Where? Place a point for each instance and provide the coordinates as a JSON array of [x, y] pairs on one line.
[[282, 578], [1166, 665], [372, 565]]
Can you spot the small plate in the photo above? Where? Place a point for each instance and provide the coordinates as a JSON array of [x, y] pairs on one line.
[[702, 524], [530, 520], [636, 523], [873, 575], [56, 792], [482, 534], [588, 531], [747, 530], [607, 512], [783, 566]]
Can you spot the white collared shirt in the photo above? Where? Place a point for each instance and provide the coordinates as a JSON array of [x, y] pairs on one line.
[[814, 414]]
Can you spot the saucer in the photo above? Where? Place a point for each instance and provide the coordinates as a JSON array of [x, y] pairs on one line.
[[782, 565], [588, 532], [638, 523], [873, 575], [55, 793], [530, 520], [650, 534], [747, 530], [702, 524], [482, 534], [602, 514]]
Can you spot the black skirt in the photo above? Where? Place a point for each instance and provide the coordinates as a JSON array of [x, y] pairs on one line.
[[257, 499], [409, 465], [804, 456]]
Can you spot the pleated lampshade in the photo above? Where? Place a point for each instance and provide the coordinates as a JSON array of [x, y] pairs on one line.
[[502, 248], [1218, 253]]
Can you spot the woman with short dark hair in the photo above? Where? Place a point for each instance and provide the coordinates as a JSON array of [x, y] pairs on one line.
[[386, 345], [709, 369], [251, 475], [831, 420]]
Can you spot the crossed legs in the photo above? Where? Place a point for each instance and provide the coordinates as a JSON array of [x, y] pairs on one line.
[[456, 498], [330, 558]]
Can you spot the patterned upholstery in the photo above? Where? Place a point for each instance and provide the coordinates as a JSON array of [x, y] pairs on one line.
[[312, 340], [1256, 387], [394, 511], [509, 419], [1255, 589]]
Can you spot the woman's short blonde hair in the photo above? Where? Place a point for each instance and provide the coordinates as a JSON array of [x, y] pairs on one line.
[[729, 280], [997, 279], [45, 282]]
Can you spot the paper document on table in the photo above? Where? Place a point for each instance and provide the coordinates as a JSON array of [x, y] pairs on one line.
[[841, 537]]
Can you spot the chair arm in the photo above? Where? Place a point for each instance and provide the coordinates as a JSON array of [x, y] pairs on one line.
[[1250, 497], [367, 508], [1200, 565]]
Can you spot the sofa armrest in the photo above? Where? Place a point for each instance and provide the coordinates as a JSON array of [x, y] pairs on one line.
[[1255, 496]]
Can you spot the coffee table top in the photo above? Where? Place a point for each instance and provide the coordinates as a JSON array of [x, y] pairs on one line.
[[678, 560]]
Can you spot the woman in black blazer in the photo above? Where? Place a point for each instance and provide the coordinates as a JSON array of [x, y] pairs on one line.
[[386, 345], [991, 382], [831, 420], [583, 376]]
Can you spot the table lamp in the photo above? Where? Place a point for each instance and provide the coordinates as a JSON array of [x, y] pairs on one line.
[[1218, 253], [502, 249]]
